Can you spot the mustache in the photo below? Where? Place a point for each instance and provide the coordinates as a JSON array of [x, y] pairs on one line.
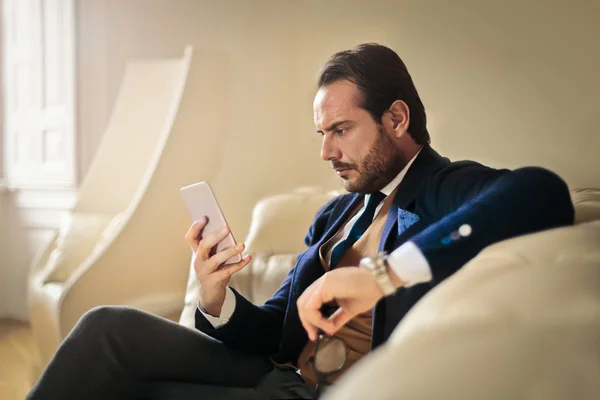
[[342, 165]]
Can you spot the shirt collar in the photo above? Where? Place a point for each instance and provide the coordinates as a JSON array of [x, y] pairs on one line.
[[389, 188]]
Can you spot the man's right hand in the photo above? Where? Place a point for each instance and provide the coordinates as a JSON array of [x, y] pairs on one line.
[[212, 277]]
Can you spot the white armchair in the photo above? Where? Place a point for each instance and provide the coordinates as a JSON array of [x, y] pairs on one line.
[[123, 243]]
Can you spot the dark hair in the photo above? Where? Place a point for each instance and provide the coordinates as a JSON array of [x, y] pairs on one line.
[[382, 78]]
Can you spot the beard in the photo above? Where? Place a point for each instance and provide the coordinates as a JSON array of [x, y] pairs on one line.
[[383, 162]]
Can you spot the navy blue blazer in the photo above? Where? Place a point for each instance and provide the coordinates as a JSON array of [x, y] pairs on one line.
[[434, 199]]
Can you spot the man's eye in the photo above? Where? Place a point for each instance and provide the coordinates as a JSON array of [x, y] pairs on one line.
[[339, 132]]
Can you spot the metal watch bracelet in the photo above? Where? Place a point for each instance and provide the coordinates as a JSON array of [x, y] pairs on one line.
[[378, 267]]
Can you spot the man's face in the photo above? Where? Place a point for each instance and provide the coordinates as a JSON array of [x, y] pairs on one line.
[[360, 150]]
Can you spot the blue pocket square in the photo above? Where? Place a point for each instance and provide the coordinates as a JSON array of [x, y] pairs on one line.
[[405, 220]]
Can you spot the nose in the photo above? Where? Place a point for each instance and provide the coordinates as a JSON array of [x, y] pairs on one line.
[[329, 150]]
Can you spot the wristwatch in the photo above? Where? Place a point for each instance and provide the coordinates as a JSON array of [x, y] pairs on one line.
[[378, 266]]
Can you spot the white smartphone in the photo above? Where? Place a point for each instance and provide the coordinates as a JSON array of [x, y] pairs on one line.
[[200, 201]]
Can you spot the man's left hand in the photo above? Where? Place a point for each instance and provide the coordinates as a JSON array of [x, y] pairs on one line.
[[354, 289]]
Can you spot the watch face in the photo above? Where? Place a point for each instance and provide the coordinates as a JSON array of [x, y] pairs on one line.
[[366, 262]]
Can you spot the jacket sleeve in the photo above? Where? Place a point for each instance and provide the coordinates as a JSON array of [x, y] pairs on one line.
[[497, 204], [257, 329]]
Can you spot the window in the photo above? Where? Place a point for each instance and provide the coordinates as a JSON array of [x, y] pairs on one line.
[[38, 50]]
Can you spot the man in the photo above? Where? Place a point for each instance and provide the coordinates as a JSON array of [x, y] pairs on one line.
[[431, 215]]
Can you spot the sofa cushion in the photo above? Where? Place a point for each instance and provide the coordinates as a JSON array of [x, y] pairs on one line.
[[257, 282], [280, 222], [587, 204], [265, 274], [519, 321]]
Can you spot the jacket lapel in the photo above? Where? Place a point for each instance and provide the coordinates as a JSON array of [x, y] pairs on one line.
[[398, 218], [426, 162], [311, 270], [342, 209]]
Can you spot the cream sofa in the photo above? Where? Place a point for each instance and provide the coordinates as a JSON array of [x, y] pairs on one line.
[[520, 321]]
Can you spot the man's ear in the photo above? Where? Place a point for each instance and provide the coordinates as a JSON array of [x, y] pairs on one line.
[[399, 118]]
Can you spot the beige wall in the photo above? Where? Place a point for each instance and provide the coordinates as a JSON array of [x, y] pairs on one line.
[[508, 83]]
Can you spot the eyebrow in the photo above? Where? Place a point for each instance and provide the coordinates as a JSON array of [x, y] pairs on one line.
[[335, 125]]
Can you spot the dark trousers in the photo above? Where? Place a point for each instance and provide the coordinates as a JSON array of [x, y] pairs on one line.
[[123, 353]]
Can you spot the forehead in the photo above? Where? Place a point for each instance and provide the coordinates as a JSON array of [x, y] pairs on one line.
[[338, 100]]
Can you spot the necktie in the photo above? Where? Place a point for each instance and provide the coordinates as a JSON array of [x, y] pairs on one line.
[[358, 229]]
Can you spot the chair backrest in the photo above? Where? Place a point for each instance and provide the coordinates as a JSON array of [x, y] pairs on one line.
[[139, 124], [144, 260]]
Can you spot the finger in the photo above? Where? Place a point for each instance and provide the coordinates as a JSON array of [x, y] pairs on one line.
[[310, 329], [231, 269], [321, 294], [339, 318], [219, 258], [317, 320], [311, 307], [302, 310], [193, 232], [210, 240], [314, 303]]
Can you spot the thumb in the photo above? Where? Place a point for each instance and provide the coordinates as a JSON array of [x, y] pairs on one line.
[[339, 318], [228, 270]]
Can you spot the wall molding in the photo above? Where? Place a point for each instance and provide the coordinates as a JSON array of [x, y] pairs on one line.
[[57, 199], [44, 209]]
